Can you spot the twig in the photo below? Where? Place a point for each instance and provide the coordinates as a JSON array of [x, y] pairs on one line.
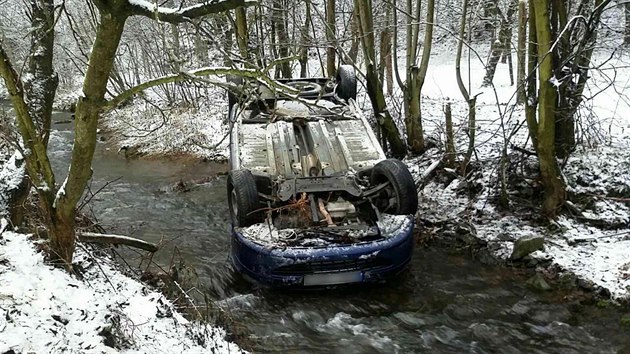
[[89, 199]]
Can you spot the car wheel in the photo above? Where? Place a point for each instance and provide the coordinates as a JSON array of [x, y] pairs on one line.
[[346, 82], [400, 196], [306, 88], [233, 97], [242, 198]]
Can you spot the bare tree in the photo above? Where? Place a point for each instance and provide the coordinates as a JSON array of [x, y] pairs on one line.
[[471, 101], [416, 72], [501, 43], [374, 86]]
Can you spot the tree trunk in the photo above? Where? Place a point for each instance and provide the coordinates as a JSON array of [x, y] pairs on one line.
[[385, 52], [242, 34], [374, 87], [465, 94], [555, 189], [520, 71], [41, 97], [532, 61], [491, 67], [424, 66], [283, 38], [450, 137], [576, 57], [201, 47], [62, 240], [501, 46], [626, 33], [306, 40], [330, 38], [354, 46], [39, 90], [62, 211], [411, 94]]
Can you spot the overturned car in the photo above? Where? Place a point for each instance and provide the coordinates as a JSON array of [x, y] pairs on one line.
[[313, 200]]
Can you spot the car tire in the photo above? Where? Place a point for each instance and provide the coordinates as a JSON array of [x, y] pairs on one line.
[[401, 196], [346, 82], [242, 198], [306, 88], [233, 97]]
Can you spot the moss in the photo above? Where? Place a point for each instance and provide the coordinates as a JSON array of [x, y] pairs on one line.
[[602, 304], [625, 321]]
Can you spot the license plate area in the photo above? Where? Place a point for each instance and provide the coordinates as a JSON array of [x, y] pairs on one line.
[[332, 278]]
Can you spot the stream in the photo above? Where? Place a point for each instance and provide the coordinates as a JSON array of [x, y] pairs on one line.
[[442, 304]]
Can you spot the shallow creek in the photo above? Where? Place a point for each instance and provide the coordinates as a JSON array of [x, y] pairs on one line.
[[444, 303]]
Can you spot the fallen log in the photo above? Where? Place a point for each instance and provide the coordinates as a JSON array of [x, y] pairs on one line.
[[425, 175], [92, 237]]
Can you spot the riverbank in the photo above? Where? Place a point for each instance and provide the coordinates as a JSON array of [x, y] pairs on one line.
[[45, 309]]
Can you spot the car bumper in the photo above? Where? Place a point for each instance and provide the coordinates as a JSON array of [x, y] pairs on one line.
[[367, 262]]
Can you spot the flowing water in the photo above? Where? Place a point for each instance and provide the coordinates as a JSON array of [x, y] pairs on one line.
[[442, 304]]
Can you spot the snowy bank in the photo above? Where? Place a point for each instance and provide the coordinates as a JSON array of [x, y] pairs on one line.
[[593, 241], [151, 129], [46, 310]]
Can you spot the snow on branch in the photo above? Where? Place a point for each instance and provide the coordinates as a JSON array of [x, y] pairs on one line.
[[117, 240], [175, 15]]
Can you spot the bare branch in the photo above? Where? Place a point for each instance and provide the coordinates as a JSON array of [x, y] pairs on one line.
[[117, 240], [171, 15]]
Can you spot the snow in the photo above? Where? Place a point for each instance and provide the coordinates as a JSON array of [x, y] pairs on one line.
[[11, 174], [270, 236], [46, 310], [61, 192], [152, 6]]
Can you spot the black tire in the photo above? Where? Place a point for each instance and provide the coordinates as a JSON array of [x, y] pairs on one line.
[[346, 82], [306, 88], [233, 98], [400, 197], [243, 198]]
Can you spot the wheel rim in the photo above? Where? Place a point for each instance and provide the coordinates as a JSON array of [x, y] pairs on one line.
[[389, 199]]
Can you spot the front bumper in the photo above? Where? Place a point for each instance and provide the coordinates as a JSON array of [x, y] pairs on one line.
[[367, 262]]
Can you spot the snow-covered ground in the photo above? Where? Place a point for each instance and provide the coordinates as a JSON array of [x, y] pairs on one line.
[[596, 173], [46, 310], [148, 129]]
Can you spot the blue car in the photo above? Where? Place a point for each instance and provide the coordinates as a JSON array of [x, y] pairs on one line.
[[313, 200]]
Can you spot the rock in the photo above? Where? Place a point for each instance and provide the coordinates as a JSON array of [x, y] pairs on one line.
[[538, 282], [526, 245], [585, 284], [568, 280]]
